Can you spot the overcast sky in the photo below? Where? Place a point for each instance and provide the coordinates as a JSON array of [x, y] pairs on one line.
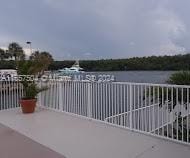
[[90, 29]]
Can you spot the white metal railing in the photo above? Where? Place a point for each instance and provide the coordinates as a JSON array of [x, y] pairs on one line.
[[10, 93], [156, 109]]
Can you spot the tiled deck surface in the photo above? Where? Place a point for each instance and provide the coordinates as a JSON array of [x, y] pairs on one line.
[[15, 145], [76, 137]]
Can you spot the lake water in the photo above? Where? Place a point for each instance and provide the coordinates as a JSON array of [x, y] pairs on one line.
[[138, 76]]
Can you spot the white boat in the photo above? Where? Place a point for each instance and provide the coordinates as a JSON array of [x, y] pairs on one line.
[[74, 69]]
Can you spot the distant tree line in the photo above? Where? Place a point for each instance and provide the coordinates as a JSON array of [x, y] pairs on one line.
[[176, 62]]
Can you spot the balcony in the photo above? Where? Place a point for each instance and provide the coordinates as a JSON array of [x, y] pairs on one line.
[[90, 120], [74, 136]]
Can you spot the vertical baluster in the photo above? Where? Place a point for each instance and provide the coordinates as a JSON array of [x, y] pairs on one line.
[[172, 110], [177, 104], [181, 110], [188, 115], [162, 111], [138, 111], [158, 98], [149, 111], [154, 104], [167, 111]]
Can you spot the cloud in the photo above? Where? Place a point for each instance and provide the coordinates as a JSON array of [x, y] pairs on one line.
[[131, 43], [87, 54], [108, 28], [171, 28], [171, 49], [4, 48]]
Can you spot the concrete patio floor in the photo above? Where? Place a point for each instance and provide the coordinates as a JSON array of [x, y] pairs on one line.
[[76, 137], [15, 145]]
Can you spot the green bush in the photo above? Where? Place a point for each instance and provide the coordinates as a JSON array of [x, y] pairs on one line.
[[180, 78]]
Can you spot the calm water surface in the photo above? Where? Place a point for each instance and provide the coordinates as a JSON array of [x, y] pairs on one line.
[[139, 76]]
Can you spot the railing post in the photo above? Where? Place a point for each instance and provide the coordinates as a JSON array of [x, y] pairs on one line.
[[131, 105], [89, 100], [39, 95], [60, 95]]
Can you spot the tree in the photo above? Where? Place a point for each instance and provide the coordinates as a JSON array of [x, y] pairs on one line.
[[42, 60], [43, 54], [2, 54], [16, 51]]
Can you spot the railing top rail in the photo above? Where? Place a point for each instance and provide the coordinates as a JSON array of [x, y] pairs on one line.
[[154, 84], [138, 84], [121, 83]]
